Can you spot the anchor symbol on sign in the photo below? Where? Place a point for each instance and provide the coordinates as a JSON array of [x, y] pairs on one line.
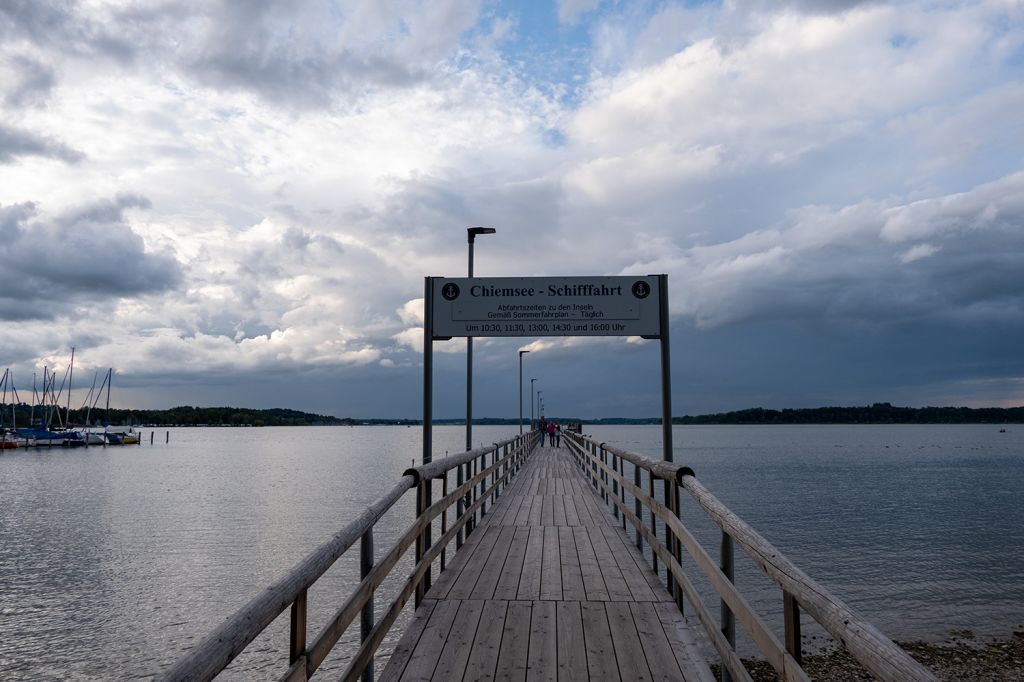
[[641, 289], [450, 291]]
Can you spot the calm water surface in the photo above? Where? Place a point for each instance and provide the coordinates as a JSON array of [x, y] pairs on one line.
[[118, 559]]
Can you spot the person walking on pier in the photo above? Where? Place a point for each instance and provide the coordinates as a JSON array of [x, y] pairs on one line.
[[551, 434], [543, 430], [558, 435]]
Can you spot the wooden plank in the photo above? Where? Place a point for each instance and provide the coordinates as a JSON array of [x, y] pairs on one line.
[[523, 517], [593, 579], [621, 550], [629, 652], [598, 641], [572, 517], [558, 512], [537, 503], [684, 646], [475, 565], [428, 650], [491, 572], [547, 511], [455, 655], [543, 662], [529, 579], [633, 555], [508, 582], [572, 576], [403, 650], [615, 583], [551, 566], [572, 652], [515, 642], [483, 657], [660, 658]]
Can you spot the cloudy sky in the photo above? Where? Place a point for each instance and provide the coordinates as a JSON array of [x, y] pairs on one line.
[[236, 202]]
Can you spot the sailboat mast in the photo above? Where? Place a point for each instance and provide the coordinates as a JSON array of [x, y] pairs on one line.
[[71, 378]]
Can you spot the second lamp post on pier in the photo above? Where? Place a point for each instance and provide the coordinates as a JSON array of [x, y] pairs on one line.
[[471, 233], [521, 353]]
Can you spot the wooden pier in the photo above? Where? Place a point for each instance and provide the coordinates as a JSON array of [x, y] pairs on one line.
[[548, 587]]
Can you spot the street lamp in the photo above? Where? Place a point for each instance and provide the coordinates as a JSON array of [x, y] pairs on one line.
[[521, 354], [471, 233], [533, 396]]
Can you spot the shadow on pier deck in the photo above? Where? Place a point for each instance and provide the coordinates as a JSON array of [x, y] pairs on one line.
[[548, 587]]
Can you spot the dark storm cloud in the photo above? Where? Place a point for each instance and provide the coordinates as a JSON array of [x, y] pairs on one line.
[[15, 143], [35, 81], [86, 256], [296, 54], [62, 26]]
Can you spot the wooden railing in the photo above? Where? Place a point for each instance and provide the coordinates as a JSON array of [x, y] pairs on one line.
[[603, 464], [482, 473]]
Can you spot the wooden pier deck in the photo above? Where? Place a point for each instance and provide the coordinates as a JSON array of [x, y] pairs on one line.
[[548, 587]]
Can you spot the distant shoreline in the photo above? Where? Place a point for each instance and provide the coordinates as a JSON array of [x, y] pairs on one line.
[[879, 413]]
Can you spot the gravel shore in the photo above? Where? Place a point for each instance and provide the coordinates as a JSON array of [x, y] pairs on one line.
[[961, 657]]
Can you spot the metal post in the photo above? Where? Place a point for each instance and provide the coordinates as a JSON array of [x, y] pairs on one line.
[[791, 614], [428, 416], [638, 509], [471, 233], [615, 485], [297, 643], [420, 550], [533, 397], [666, 399], [366, 621], [521, 353], [726, 564]]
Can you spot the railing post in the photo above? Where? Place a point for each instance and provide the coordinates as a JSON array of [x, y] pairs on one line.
[[791, 616], [622, 490], [444, 517], [366, 621], [494, 475], [637, 508], [297, 639], [615, 485], [460, 506], [604, 475], [419, 540], [677, 544], [483, 486], [726, 564], [654, 521]]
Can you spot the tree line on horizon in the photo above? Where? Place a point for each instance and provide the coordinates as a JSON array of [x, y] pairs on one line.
[[879, 413]]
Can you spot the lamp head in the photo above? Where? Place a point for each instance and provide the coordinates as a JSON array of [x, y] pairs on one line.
[[472, 232], [522, 352]]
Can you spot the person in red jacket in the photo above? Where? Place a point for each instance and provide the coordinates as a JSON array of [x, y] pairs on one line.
[[552, 428]]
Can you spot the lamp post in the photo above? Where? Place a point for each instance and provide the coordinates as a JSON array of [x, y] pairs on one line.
[[533, 397], [540, 405], [471, 233], [521, 354]]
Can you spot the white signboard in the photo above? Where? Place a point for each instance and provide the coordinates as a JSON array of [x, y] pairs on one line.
[[545, 306]]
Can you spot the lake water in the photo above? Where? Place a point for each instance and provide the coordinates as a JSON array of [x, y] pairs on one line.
[[115, 560]]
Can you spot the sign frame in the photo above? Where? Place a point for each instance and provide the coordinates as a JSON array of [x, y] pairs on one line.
[[545, 306]]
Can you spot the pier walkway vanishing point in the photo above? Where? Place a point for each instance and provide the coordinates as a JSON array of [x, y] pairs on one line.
[[539, 580], [548, 587]]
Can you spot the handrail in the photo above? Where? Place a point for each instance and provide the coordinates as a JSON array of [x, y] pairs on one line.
[[876, 652], [216, 651]]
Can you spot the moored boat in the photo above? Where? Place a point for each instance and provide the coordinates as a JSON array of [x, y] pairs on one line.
[[8, 440]]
